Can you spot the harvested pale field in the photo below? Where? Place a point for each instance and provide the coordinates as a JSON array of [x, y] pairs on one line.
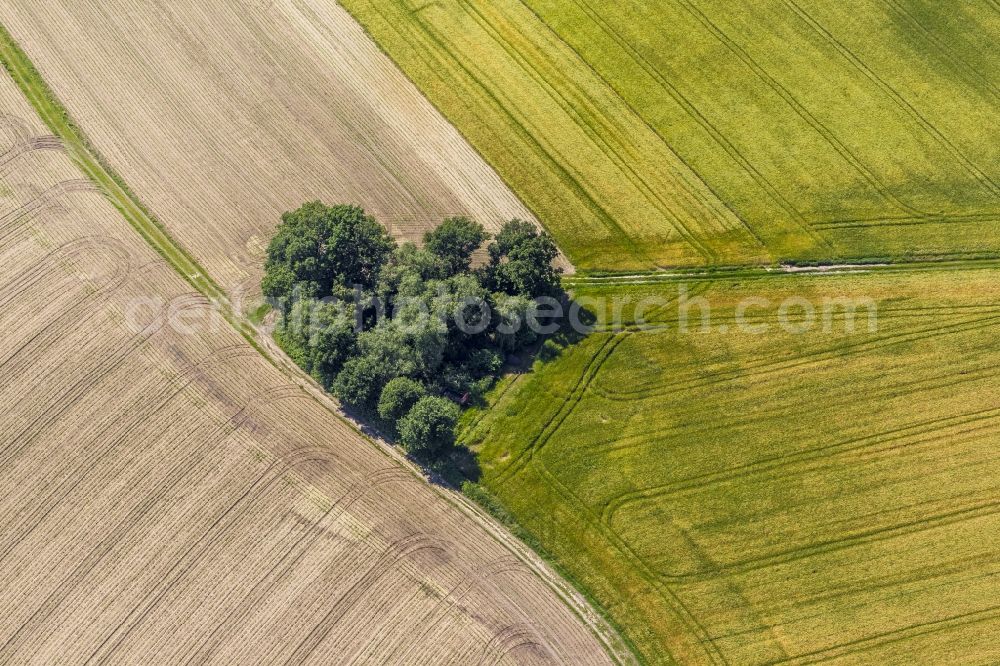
[[761, 494], [169, 496], [222, 115]]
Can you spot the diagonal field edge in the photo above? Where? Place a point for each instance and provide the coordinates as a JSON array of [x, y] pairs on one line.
[[51, 111], [55, 116]]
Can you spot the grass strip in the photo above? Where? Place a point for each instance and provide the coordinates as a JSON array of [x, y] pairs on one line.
[[41, 97], [80, 150]]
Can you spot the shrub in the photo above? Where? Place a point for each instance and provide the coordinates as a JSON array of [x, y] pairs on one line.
[[429, 428], [398, 397], [454, 241], [360, 381], [521, 262], [318, 247]]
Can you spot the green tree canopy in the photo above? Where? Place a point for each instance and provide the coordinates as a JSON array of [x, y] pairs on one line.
[[360, 381], [423, 326], [511, 321], [429, 428], [454, 241], [319, 336], [521, 262], [321, 248], [398, 397]]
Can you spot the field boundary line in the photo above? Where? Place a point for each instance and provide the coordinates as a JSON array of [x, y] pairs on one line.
[[571, 266], [976, 261], [43, 100], [424, 34], [526, 462]]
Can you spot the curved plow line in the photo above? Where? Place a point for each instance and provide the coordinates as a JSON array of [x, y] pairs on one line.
[[254, 493], [12, 221], [671, 323], [653, 437], [657, 389], [53, 331], [673, 602], [868, 442], [142, 410], [23, 72], [68, 397], [891, 441], [985, 507], [15, 128], [27, 78], [981, 509], [507, 640], [101, 550], [392, 556], [639, 565], [67, 252], [818, 356], [35, 144], [290, 559]]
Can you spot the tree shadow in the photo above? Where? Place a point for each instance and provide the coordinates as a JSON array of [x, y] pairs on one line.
[[451, 470], [460, 464], [550, 347]]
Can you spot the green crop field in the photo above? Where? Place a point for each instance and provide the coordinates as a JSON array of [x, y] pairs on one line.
[[782, 491], [756, 492], [689, 132]]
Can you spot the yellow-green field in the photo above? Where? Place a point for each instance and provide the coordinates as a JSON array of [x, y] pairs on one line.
[[758, 494], [736, 496], [685, 132]]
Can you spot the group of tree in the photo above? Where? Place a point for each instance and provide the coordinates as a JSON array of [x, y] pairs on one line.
[[402, 333]]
